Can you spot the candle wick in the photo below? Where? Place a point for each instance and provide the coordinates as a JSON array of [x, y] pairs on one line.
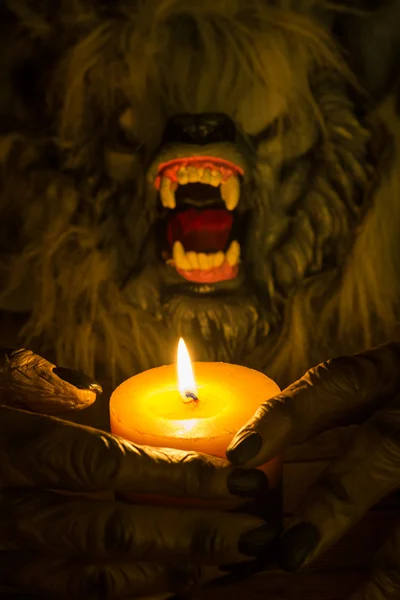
[[191, 398]]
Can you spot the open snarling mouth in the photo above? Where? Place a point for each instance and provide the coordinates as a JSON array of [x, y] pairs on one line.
[[202, 194]]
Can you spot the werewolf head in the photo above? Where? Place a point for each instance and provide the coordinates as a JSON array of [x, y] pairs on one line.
[[212, 175]]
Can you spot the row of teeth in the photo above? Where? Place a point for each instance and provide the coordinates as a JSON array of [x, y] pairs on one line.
[[188, 261], [229, 189]]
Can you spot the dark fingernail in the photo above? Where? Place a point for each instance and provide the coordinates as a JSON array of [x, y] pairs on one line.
[[296, 544], [245, 449], [79, 380], [247, 484], [258, 541]]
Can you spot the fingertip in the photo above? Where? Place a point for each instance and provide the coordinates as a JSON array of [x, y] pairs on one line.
[[77, 379], [244, 448], [248, 483]]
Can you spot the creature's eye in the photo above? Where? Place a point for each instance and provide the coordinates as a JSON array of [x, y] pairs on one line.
[[278, 125]]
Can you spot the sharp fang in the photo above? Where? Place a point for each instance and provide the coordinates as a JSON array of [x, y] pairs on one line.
[[180, 257], [230, 192], [233, 253], [167, 193]]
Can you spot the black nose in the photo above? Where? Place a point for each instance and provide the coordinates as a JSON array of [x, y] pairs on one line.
[[203, 128]]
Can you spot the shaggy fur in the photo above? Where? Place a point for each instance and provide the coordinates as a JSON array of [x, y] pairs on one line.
[[322, 257]]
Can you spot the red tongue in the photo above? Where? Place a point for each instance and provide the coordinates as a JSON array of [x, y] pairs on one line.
[[200, 230]]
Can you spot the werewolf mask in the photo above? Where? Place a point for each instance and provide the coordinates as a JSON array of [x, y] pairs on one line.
[[195, 169]]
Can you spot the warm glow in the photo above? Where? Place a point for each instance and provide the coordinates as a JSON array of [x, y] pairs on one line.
[[185, 426], [186, 382]]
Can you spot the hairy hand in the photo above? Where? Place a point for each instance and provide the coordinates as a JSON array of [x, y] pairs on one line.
[[56, 542], [363, 389]]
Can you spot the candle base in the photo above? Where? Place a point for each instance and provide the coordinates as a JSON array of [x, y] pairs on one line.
[[148, 410]]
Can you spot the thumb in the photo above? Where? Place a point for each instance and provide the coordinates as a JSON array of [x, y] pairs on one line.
[[30, 382], [341, 391]]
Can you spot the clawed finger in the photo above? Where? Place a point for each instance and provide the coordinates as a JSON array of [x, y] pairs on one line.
[[365, 473], [45, 452], [29, 381], [56, 524], [341, 391]]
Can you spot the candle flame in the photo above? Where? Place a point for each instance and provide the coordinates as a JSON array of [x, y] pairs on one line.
[[186, 382]]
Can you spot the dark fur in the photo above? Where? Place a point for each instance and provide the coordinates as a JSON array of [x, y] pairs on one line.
[[321, 260]]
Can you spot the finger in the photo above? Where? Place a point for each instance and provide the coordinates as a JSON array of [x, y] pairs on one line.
[[384, 579], [65, 578], [342, 391], [31, 382], [368, 471], [55, 524], [39, 451]]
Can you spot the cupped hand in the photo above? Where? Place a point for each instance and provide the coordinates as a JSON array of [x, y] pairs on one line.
[[56, 542], [362, 389]]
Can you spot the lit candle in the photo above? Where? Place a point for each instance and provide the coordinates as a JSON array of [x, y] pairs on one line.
[[201, 411]]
